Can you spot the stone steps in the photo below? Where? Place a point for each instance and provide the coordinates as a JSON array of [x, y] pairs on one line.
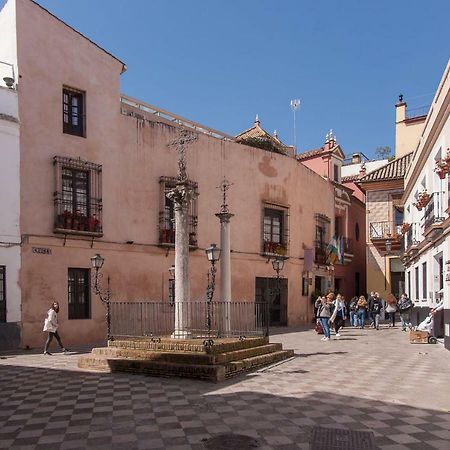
[[223, 359]]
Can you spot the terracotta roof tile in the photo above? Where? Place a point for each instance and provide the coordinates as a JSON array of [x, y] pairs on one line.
[[349, 178], [258, 137], [310, 153], [393, 170]]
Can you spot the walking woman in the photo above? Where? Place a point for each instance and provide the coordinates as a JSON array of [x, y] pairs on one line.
[[324, 314], [339, 314], [51, 326], [361, 311], [391, 308]]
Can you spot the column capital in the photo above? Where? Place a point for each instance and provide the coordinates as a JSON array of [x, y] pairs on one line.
[[224, 216]]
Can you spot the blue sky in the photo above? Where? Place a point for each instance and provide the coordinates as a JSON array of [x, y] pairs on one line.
[[221, 62]]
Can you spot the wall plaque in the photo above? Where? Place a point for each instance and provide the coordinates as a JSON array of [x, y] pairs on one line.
[[42, 250]]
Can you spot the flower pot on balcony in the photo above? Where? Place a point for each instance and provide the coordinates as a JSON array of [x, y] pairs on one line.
[[424, 198], [418, 205], [405, 228]]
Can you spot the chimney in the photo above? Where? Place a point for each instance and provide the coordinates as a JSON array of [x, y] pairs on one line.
[[400, 109], [356, 158]]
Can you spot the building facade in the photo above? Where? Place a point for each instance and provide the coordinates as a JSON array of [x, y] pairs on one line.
[[425, 249], [92, 170], [348, 271]]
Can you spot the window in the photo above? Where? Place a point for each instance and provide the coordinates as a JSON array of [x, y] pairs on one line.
[[336, 172], [417, 283], [321, 238], [77, 197], [78, 294], [424, 281], [357, 231], [167, 214], [409, 284], [2, 294], [275, 229], [73, 111], [305, 286]]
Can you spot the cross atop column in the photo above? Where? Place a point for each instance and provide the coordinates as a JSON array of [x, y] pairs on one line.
[[224, 186], [185, 137]]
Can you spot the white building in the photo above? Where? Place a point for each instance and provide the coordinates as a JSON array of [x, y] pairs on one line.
[[10, 295], [427, 214]]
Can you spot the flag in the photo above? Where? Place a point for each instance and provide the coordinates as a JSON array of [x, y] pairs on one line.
[[309, 260], [332, 251]]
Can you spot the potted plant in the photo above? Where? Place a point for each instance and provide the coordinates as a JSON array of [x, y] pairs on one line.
[[447, 157], [424, 198], [418, 205], [405, 227], [441, 168]]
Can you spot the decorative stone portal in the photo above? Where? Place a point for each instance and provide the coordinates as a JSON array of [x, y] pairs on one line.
[[337, 439]]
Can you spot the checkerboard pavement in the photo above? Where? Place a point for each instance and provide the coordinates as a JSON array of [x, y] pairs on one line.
[[366, 380]]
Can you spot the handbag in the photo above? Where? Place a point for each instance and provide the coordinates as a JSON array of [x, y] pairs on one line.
[[318, 328]]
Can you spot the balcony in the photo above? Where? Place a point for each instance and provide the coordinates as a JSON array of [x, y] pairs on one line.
[[433, 215], [320, 256], [380, 232]]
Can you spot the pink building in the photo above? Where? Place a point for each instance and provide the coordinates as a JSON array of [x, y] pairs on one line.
[[94, 169], [349, 219]]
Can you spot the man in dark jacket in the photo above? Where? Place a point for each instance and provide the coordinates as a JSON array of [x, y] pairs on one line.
[[375, 310], [370, 302]]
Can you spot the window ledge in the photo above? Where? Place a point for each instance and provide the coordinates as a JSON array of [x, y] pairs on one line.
[[172, 245], [78, 232]]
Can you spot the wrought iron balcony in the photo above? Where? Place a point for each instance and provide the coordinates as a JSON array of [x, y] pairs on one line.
[[384, 230], [434, 210], [320, 253]]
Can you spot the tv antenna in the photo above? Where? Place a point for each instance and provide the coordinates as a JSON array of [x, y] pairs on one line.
[[295, 104]]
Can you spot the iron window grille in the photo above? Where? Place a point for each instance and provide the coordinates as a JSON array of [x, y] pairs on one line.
[[73, 111], [77, 197], [275, 230], [79, 294], [322, 231], [167, 214], [2, 294]]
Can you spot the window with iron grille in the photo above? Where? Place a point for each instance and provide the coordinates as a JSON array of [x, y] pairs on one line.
[[73, 111], [275, 229], [167, 214], [321, 238], [79, 294], [2, 294], [77, 196]]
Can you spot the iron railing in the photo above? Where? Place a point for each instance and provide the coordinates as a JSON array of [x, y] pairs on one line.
[[348, 244], [434, 210], [320, 255], [384, 230], [411, 237], [157, 319]]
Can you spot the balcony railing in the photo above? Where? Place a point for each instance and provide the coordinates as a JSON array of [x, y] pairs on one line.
[[348, 245], [276, 248], [434, 210], [411, 237], [320, 253], [384, 230]]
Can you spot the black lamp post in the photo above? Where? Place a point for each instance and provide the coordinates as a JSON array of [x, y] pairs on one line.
[[172, 285], [277, 265], [213, 255], [104, 294]]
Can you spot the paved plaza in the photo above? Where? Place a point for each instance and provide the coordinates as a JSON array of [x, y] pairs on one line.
[[367, 380]]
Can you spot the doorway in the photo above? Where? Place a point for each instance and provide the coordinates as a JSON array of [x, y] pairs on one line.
[[276, 293]]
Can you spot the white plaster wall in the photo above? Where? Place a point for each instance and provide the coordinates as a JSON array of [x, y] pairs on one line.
[[10, 255], [8, 41]]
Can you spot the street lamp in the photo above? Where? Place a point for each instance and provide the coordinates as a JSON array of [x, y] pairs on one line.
[[213, 255], [277, 265], [172, 285], [103, 294]]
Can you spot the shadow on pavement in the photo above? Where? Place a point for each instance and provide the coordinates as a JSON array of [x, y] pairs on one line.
[[64, 409]]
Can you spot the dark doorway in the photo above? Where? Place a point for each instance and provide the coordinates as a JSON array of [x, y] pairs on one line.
[[276, 293], [397, 283]]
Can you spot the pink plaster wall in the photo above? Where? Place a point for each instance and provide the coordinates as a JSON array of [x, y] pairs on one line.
[[134, 154]]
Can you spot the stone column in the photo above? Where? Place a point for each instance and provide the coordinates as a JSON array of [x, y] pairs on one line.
[[225, 268], [182, 195]]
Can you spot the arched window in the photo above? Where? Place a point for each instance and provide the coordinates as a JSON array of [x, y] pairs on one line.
[[357, 231]]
